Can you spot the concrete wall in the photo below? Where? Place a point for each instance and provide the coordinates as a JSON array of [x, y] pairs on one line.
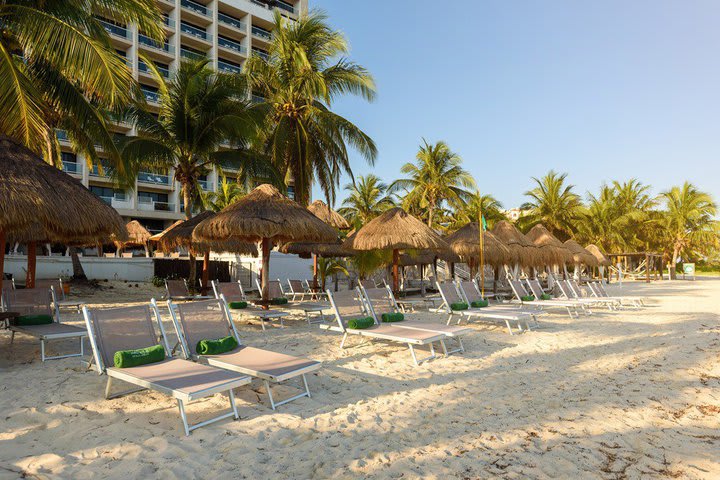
[[132, 269]]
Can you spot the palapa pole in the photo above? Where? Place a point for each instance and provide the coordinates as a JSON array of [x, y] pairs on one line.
[[265, 268], [315, 272], [32, 263], [205, 273], [482, 259], [396, 260], [2, 258]]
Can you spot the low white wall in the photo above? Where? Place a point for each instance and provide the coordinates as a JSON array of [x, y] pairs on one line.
[[282, 266], [132, 269]]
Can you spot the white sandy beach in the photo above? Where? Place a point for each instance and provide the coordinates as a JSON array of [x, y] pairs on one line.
[[634, 394]]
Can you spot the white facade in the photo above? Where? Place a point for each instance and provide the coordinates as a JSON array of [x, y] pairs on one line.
[[226, 32]]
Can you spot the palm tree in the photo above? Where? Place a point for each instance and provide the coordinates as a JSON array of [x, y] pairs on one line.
[[304, 72], [689, 220], [328, 267], [367, 199], [227, 194], [201, 116], [554, 204], [437, 177], [490, 207], [601, 223], [58, 70]]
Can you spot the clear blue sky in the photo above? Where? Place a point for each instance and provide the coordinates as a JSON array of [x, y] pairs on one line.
[[602, 90]]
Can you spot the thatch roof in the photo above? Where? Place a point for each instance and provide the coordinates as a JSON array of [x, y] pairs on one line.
[[181, 235], [328, 250], [265, 213], [553, 251], [599, 255], [159, 236], [466, 243], [39, 202], [525, 252], [395, 229], [137, 234], [421, 257], [321, 210], [580, 255]]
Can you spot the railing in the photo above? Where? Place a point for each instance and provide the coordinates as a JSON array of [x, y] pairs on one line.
[[261, 32], [62, 135], [231, 44], [184, 52], [168, 21], [285, 6], [194, 31], [154, 178], [95, 171], [72, 167], [143, 67], [196, 7], [233, 22], [151, 96], [228, 67], [147, 41], [261, 54], [145, 203], [115, 30], [204, 184]]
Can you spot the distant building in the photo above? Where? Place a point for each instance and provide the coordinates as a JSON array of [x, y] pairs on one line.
[[514, 214], [224, 31]]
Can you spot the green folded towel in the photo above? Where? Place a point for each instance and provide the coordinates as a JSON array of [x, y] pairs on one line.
[[237, 305], [216, 347], [527, 298], [279, 301], [393, 317], [479, 303], [26, 320], [141, 356], [546, 296], [459, 306], [360, 323]]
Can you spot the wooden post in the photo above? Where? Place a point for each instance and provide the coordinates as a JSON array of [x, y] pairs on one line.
[[647, 268], [205, 273], [452, 271], [315, 271], [2, 258], [265, 268], [32, 264], [396, 260]]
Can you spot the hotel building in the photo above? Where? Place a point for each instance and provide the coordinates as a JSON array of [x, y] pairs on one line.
[[224, 31]]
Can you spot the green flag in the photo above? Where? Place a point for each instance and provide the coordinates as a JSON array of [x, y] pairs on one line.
[[484, 223]]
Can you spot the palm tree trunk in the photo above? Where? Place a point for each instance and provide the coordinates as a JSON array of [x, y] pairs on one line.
[[78, 270], [32, 265], [676, 254], [266, 269], [187, 203], [431, 212]]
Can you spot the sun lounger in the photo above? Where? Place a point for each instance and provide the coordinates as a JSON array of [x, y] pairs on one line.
[[314, 311], [573, 308], [568, 292], [451, 295], [470, 291], [211, 319], [131, 328], [535, 289], [233, 291], [597, 289], [60, 299], [347, 305], [381, 300], [179, 290], [37, 301]]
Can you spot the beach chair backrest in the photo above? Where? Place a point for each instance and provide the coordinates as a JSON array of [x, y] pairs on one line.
[[55, 283], [126, 328], [204, 320], [379, 300], [28, 301], [576, 288], [449, 294], [535, 288], [275, 289], [564, 290], [469, 290], [593, 289], [346, 304], [177, 288], [518, 288], [296, 287], [367, 283], [232, 291], [601, 289]]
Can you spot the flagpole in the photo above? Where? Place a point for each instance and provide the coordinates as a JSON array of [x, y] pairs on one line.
[[482, 263]]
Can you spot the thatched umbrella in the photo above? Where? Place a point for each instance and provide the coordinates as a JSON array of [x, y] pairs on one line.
[[321, 210], [466, 243], [521, 249], [553, 250], [264, 215], [181, 235], [595, 251], [159, 236], [395, 230], [326, 250], [42, 203], [137, 235], [580, 255]]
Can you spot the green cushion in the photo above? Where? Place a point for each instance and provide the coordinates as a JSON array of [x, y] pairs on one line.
[[393, 317], [141, 356], [279, 301], [216, 347], [480, 303], [527, 298], [360, 323], [459, 306], [26, 320], [237, 305], [546, 296]]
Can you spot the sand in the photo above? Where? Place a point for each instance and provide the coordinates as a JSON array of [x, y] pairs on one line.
[[631, 394]]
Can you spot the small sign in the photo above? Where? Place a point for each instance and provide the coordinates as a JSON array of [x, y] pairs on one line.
[[688, 270]]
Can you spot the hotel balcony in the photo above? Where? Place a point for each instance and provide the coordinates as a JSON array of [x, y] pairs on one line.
[[163, 51], [196, 12], [261, 53], [151, 96], [168, 24], [230, 25], [73, 168], [232, 47], [144, 203], [262, 35], [192, 54], [145, 71], [119, 34], [227, 67], [284, 7], [194, 36], [154, 179]]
